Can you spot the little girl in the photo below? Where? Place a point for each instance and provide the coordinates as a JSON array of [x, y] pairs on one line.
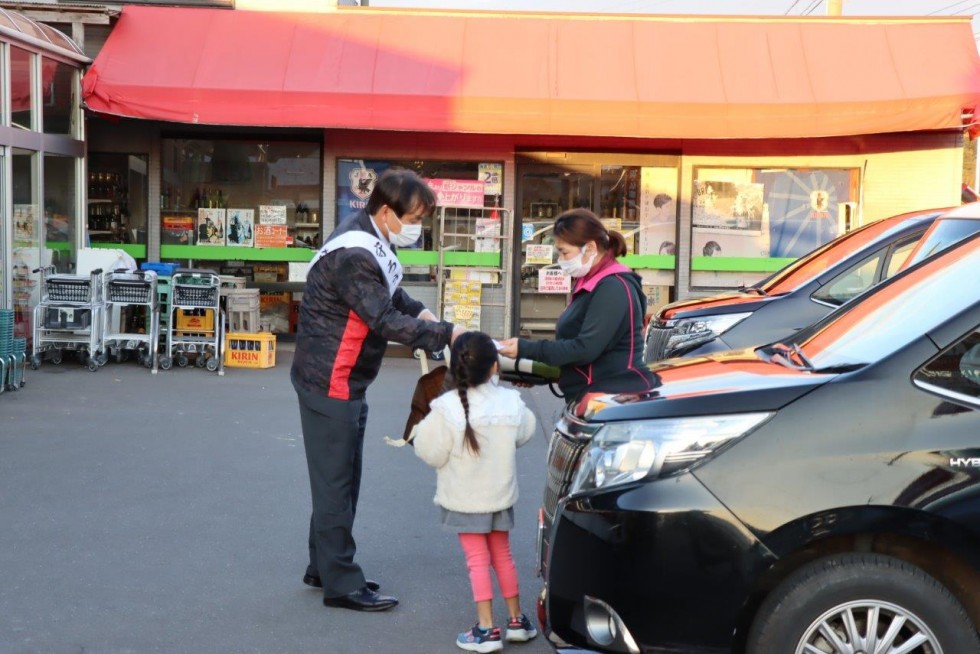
[[471, 436]]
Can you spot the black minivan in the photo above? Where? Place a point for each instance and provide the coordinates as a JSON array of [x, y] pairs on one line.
[[791, 298], [820, 494]]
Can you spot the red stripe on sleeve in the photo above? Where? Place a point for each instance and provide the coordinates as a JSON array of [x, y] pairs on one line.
[[350, 348]]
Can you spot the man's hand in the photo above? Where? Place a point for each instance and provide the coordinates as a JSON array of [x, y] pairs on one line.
[[428, 315], [457, 330], [509, 348]]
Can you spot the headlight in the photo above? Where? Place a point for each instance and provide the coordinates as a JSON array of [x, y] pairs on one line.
[[688, 333], [628, 451]]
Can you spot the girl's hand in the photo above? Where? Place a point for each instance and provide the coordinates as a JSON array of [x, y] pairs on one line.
[[509, 348], [521, 384]]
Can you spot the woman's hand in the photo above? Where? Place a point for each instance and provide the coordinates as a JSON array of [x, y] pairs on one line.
[[509, 348]]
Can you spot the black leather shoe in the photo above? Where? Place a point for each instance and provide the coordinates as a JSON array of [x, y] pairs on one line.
[[314, 581], [363, 599]]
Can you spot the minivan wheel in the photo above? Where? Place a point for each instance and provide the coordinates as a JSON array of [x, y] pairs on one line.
[[862, 604]]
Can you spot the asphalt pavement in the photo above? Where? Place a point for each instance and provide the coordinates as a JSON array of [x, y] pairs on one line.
[[169, 513]]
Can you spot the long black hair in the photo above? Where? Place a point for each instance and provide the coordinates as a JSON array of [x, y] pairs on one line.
[[472, 357]]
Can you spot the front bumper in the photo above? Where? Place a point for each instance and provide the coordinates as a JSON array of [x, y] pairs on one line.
[[668, 558]]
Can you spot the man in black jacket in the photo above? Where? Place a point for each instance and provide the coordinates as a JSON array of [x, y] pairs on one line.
[[352, 307]]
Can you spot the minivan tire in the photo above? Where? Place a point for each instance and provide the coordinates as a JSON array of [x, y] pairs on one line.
[[827, 587]]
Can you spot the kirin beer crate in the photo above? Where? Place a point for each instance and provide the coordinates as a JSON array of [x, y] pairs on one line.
[[243, 350]]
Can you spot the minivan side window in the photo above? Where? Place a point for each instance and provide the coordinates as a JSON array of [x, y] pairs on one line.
[[861, 277], [955, 372], [853, 281], [899, 255]]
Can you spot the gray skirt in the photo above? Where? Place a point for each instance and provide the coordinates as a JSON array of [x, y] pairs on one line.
[[477, 523]]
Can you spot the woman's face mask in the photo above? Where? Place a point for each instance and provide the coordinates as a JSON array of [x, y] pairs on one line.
[[577, 266]]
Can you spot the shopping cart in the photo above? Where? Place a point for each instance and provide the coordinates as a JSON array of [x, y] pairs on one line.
[[69, 317], [131, 303], [197, 291], [11, 353]]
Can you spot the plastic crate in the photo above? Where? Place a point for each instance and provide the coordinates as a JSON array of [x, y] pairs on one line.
[[194, 320], [159, 268], [250, 350], [231, 281], [241, 299]]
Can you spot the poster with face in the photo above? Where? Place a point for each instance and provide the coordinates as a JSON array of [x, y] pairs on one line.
[[658, 211], [241, 227], [728, 219]]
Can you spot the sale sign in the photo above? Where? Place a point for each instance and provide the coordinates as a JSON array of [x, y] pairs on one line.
[[270, 236], [458, 192]]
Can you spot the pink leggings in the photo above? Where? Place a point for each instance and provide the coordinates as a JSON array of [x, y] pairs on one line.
[[482, 551]]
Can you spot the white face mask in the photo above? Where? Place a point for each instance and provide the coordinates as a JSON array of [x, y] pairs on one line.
[[408, 235], [495, 380], [576, 267]]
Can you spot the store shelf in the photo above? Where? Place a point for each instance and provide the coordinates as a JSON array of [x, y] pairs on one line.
[[307, 225], [222, 252]]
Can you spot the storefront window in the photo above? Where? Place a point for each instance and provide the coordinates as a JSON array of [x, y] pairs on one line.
[[60, 197], [21, 88], [27, 254], [779, 213], [58, 91], [480, 186], [117, 198], [231, 198]]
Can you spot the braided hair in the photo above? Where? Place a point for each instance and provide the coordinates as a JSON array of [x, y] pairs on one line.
[[472, 358]]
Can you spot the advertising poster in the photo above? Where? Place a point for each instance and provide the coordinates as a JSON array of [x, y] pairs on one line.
[[727, 220], [270, 214], [241, 227], [487, 235], [803, 206], [355, 181], [458, 192], [177, 230], [210, 226], [553, 280], [461, 301], [658, 211]]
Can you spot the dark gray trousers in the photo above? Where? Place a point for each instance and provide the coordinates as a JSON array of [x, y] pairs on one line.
[[333, 435]]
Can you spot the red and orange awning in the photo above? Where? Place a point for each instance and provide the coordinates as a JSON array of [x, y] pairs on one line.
[[540, 74]]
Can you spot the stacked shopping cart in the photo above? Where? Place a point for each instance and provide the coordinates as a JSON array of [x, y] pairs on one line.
[[130, 292], [12, 356], [69, 317], [195, 293]]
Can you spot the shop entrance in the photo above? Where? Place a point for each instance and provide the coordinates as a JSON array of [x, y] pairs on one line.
[[620, 189]]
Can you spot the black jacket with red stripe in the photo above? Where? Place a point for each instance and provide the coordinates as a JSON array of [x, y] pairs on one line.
[[347, 318]]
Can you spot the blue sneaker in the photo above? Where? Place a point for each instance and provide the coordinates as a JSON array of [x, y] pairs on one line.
[[520, 630], [480, 640]]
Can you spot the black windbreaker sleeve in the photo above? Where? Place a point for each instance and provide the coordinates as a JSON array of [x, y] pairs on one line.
[[366, 292]]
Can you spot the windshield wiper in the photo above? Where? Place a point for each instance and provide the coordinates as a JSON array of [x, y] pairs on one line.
[[783, 355], [803, 357]]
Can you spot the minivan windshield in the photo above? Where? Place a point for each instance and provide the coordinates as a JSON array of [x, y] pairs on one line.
[[896, 312], [823, 258], [943, 233]]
